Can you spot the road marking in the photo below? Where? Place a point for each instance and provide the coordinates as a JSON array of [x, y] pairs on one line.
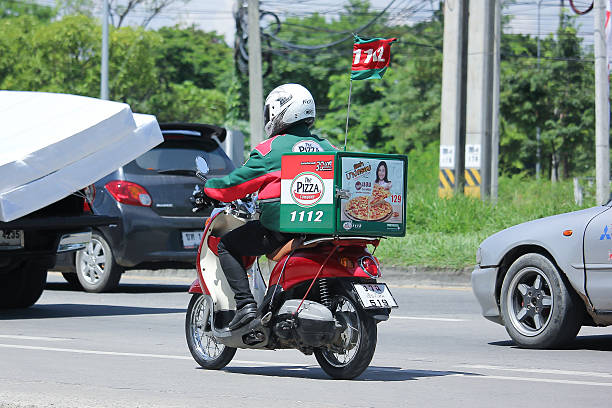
[[126, 354], [189, 279], [539, 371], [185, 279], [433, 319], [20, 337], [174, 357], [429, 287], [107, 353], [531, 379]]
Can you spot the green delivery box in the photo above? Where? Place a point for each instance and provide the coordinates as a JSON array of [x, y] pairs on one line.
[[343, 193]]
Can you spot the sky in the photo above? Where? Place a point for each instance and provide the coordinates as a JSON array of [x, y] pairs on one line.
[[217, 14]]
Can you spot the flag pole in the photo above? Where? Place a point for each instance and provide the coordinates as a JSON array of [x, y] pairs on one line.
[[348, 112]]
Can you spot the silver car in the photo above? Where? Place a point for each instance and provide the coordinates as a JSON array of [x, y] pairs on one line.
[[546, 278]]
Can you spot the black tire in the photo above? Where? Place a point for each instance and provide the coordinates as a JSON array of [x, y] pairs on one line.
[[95, 265], [22, 288], [539, 308], [363, 340], [72, 279], [197, 321]]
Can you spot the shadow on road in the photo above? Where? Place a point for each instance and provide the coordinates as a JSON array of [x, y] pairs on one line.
[[373, 373], [53, 311], [124, 288], [594, 343]]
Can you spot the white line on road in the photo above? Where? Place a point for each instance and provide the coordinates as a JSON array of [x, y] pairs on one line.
[[539, 371], [174, 357], [531, 379], [108, 353], [20, 337], [434, 319], [125, 354]]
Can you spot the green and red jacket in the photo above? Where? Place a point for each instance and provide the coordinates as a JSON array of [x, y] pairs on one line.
[[262, 172]]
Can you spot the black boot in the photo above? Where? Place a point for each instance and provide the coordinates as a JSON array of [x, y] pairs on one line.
[[243, 316]]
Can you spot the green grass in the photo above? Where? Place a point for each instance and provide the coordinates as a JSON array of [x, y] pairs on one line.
[[447, 232]]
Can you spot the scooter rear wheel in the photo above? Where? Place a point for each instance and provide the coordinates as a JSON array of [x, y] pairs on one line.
[[204, 348], [355, 349]]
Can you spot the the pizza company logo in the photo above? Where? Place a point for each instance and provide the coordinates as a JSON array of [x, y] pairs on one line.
[[306, 146], [359, 169], [307, 189]]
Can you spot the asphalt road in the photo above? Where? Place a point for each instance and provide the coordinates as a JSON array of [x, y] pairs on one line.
[[127, 349]]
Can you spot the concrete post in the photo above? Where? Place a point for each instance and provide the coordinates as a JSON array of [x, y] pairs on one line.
[[495, 102], [454, 78], [233, 145], [255, 76], [104, 64], [602, 106], [479, 99]]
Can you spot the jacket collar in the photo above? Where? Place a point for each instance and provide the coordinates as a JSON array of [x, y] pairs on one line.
[[299, 130]]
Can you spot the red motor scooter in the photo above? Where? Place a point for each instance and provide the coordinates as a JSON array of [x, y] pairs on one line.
[[322, 297]]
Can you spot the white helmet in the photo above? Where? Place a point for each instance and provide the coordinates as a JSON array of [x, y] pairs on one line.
[[286, 105]]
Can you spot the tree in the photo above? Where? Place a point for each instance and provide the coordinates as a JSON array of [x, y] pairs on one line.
[[557, 95], [120, 9], [15, 8]]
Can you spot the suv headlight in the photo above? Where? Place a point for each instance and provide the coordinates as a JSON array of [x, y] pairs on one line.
[[479, 255]]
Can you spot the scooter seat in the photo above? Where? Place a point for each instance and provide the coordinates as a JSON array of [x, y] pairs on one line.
[[291, 245]]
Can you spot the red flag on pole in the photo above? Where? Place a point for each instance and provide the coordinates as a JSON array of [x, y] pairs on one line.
[[371, 57]]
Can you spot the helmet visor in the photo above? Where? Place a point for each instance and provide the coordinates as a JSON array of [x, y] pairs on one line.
[[266, 114]]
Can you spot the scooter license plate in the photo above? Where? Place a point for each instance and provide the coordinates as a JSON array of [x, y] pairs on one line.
[[374, 295]]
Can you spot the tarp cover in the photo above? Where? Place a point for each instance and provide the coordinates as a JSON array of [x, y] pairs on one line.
[[52, 145]]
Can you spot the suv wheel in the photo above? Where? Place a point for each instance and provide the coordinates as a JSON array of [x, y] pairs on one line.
[[96, 268]]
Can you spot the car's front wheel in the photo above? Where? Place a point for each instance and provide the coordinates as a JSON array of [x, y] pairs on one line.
[[96, 268], [539, 308]]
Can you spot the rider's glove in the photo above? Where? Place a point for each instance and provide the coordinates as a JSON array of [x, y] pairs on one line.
[[199, 201]]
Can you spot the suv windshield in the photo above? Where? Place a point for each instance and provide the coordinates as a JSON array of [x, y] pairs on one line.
[[167, 158]]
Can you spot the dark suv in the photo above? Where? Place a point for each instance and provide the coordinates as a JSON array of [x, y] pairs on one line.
[[151, 196]]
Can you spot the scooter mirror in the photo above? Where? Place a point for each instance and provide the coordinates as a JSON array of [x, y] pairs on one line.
[[201, 165]]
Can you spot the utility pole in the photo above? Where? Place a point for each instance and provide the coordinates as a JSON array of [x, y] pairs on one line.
[[255, 76], [602, 106], [495, 102], [454, 80], [480, 98], [538, 158], [104, 65]]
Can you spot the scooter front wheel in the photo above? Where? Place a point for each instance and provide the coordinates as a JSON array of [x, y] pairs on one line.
[[204, 348], [353, 351]]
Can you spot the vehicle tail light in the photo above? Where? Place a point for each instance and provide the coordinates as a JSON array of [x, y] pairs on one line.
[[130, 193], [90, 195], [370, 266]]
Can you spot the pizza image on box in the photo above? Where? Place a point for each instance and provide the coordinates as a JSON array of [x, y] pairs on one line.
[[362, 209], [379, 193]]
